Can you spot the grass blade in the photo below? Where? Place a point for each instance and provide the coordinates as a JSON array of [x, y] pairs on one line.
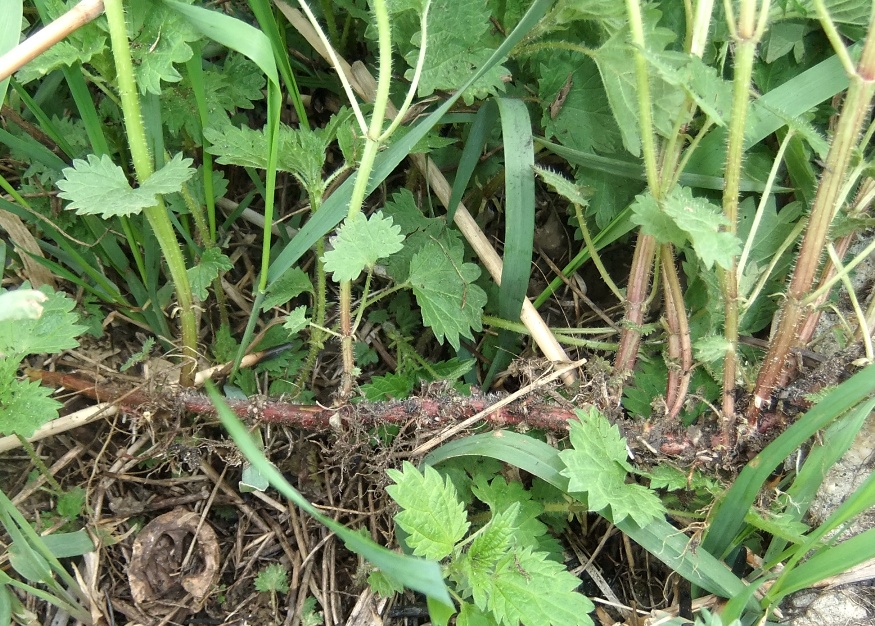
[[729, 516], [477, 136], [10, 31], [418, 574]]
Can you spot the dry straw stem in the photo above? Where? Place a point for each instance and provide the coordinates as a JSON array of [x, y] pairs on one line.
[[62, 424], [365, 85], [44, 39]]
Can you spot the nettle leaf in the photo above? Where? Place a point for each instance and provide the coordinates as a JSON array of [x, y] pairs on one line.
[[572, 192], [53, 331], [78, 46], [443, 284], [211, 265], [597, 466], [700, 82], [649, 383], [292, 283], [473, 571], [99, 186], [584, 120], [701, 221], [458, 44], [389, 387], [683, 218], [432, 514], [501, 495], [529, 588], [159, 39], [229, 87], [420, 231], [359, 242], [25, 406], [712, 348], [301, 151], [668, 477], [617, 69], [653, 221], [494, 539]]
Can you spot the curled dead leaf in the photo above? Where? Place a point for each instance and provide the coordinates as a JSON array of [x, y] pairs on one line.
[[157, 572]]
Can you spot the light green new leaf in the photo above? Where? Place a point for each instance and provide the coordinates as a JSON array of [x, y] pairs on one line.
[[212, 264], [700, 82], [494, 539], [54, 330], [473, 570], [301, 151], [529, 588], [501, 495], [702, 221], [597, 466], [655, 222], [561, 185], [432, 514], [711, 348], [359, 242], [443, 285], [297, 320], [99, 186]]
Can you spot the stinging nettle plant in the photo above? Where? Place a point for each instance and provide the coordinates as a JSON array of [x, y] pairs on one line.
[[664, 144]]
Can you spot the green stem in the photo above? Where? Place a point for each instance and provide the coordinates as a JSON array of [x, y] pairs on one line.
[[40, 466], [746, 39], [142, 160], [372, 146]]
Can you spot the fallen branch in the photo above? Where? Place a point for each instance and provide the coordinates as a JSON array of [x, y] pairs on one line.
[[665, 438]]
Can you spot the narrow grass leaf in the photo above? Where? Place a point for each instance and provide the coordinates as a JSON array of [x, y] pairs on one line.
[[836, 440], [10, 32], [417, 574], [519, 184], [45, 122], [470, 157], [32, 150], [635, 170], [730, 512], [262, 11], [87, 109], [830, 561]]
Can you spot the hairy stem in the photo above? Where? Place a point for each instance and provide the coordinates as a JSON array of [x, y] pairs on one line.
[[143, 166], [854, 113], [746, 36], [645, 249]]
